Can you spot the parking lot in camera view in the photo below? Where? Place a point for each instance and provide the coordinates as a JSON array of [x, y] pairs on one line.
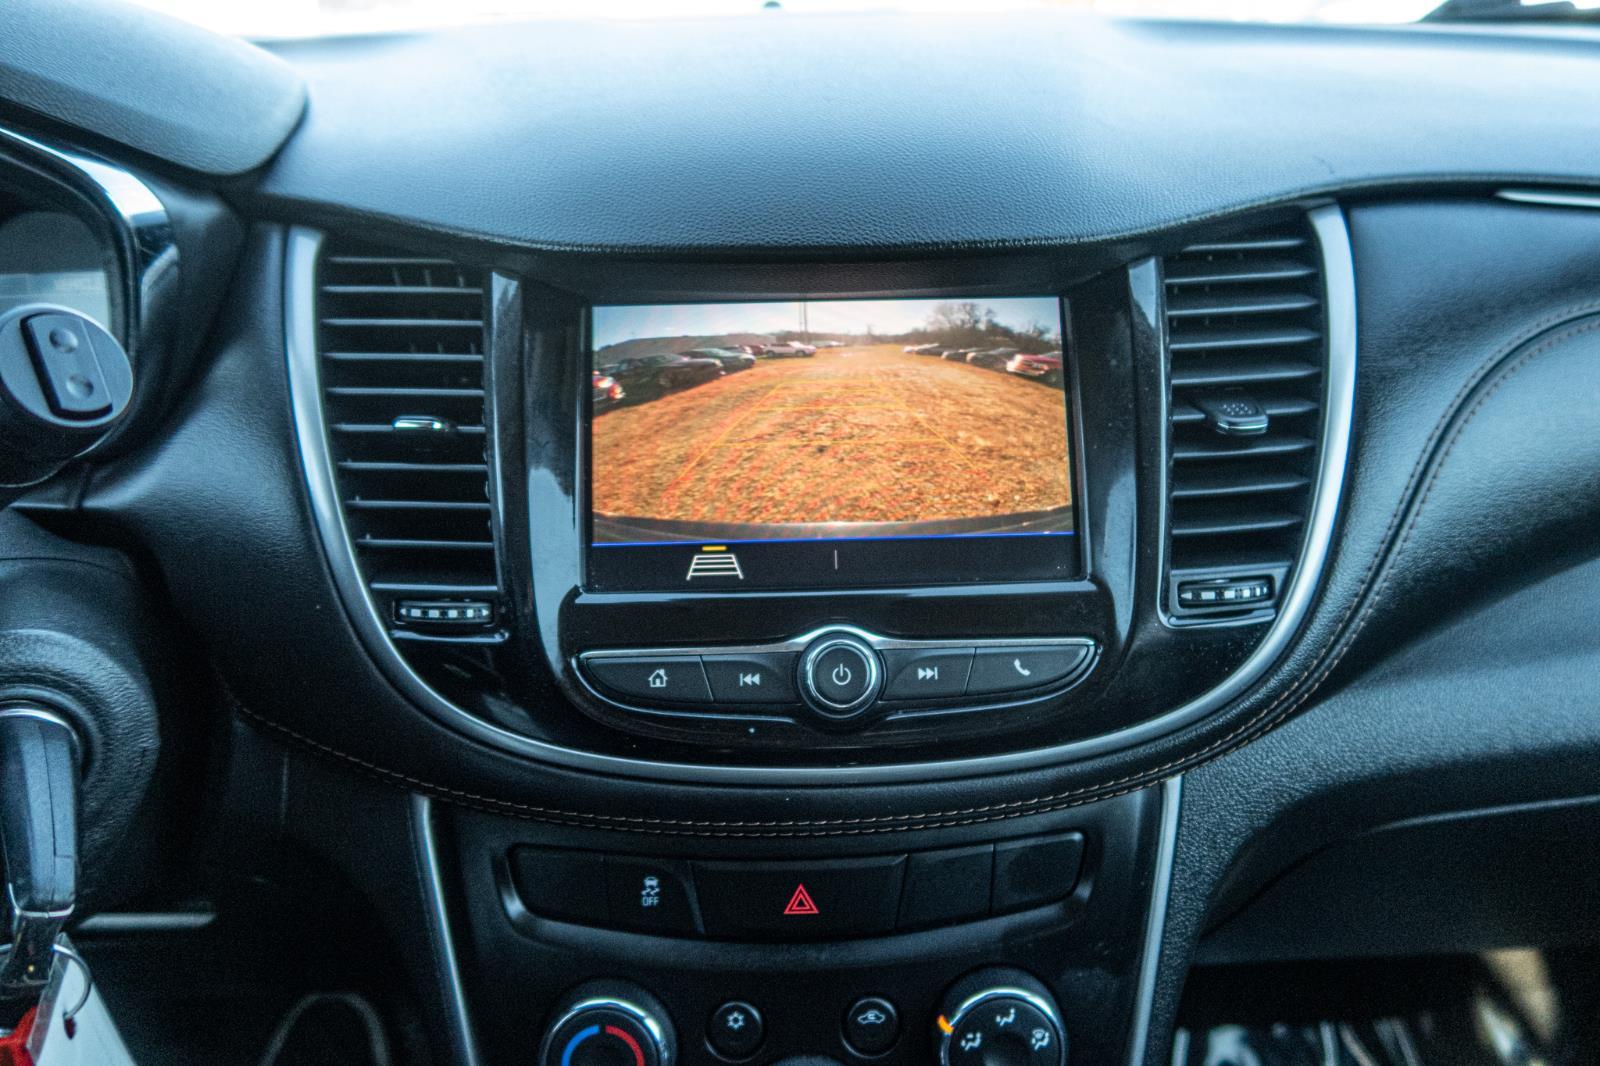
[[866, 433]]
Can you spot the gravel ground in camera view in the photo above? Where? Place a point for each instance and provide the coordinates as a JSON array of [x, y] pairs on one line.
[[863, 434]]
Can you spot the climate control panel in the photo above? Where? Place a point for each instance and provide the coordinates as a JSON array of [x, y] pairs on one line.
[[839, 677], [998, 1016]]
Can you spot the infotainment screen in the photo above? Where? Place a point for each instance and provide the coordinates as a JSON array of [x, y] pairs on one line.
[[829, 443]]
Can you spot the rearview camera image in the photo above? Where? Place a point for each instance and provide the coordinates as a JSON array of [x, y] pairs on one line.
[[829, 419]]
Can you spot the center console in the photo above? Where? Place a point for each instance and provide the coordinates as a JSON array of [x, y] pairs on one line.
[[780, 542]]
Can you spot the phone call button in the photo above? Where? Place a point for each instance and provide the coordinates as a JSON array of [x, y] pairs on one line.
[[997, 670]]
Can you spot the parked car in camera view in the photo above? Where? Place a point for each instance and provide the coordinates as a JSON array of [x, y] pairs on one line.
[[605, 392], [791, 350], [1046, 368], [957, 355], [923, 349], [731, 359], [648, 376], [991, 358]]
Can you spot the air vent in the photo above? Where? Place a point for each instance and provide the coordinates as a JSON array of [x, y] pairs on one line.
[[400, 339], [1246, 357]]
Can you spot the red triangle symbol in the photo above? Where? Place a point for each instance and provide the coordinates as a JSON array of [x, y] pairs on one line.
[[800, 902]]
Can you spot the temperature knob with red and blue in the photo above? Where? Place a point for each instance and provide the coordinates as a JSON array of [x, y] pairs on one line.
[[609, 1024]]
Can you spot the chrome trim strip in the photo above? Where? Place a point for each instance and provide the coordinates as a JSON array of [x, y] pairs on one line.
[[466, 1048], [305, 392], [1155, 925], [122, 923], [1551, 198]]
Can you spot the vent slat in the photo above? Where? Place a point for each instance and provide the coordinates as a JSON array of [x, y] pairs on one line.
[[404, 323], [1210, 273], [1244, 327], [1275, 407], [1261, 244], [402, 290], [360, 503], [1247, 448], [379, 466], [402, 337], [386, 428], [1207, 374], [402, 392], [1186, 305], [385, 260], [417, 544], [457, 358], [1203, 488], [1246, 523], [421, 588], [1214, 340]]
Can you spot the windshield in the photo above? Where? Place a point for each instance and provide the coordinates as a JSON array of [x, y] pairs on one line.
[[310, 18]]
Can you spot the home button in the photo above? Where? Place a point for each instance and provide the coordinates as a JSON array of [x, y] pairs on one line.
[[840, 676], [675, 678]]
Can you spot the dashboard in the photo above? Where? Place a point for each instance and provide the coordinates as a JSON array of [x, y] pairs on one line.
[[969, 572]]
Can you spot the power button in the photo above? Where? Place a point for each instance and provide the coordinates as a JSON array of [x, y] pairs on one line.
[[840, 676]]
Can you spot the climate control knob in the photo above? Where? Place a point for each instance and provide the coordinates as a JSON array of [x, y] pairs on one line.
[[1000, 1017], [609, 1023]]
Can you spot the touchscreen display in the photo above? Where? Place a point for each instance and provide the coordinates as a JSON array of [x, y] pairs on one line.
[[829, 443]]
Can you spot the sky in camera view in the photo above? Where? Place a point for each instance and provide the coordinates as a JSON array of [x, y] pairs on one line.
[[300, 18], [612, 325]]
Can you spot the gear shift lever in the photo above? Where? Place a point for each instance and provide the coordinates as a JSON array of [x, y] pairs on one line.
[[38, 847]]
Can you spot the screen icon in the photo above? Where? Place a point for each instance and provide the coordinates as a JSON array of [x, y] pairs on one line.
[[658, 677], [1023, 670], [927, 673], [714, 562], [752, 680]]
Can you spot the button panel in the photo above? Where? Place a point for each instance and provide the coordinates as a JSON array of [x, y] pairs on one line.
[[839, 677], [821, 899]]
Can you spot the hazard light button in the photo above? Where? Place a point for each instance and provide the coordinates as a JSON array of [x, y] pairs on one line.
[[820, 900]]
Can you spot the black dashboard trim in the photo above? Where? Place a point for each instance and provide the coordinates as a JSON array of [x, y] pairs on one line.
[[312, 436]]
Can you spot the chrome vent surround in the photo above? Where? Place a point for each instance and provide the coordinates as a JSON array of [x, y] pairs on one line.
[[400, 348], [1246, 363]]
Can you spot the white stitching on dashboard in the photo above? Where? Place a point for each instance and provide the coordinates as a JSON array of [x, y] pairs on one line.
[[1258, 724]]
